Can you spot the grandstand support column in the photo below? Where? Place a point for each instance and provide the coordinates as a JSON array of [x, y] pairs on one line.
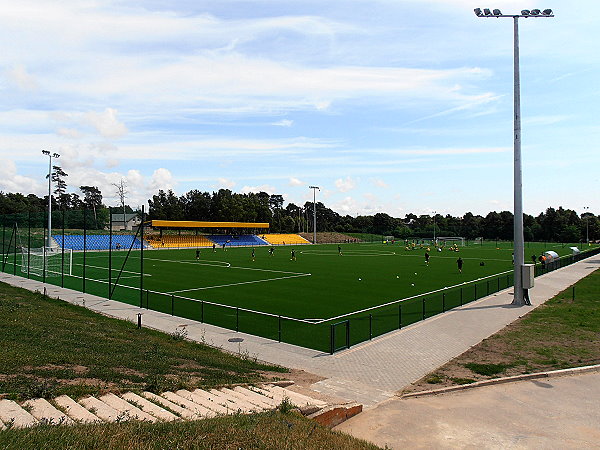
[[110, 252], [314, 188]]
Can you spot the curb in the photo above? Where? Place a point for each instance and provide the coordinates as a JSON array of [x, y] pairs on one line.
[[525, 377]]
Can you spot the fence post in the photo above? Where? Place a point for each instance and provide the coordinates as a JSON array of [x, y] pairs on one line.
[[573, 299], [475, 285], [399, 316], [237, 319], [332, 339], [444, 302], [172, 305], [461, 296], [201, 311], [348, 333], [423, 302], [370, 326], [147, 298], [487, 282], [279, 331], [498, 284]]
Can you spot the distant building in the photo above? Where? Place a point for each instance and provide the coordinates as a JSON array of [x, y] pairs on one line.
[[129, 222]]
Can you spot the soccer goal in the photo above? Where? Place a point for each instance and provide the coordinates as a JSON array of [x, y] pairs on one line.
[[452, 240], [388, 239], [48, 260]]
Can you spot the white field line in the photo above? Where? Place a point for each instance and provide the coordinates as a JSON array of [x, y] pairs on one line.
[[229, 266], [106, 268], [240, 283]]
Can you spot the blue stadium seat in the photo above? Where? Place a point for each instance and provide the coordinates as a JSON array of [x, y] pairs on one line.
[[237, 240], [98, 242]]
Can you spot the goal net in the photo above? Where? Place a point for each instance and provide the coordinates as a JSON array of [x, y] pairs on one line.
[[450, 240], [388, 239], [48, 260]]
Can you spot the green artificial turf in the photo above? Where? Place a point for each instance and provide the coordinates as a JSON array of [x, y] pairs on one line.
[[319, 285]]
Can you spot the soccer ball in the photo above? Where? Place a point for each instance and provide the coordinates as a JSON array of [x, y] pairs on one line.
[[412, 284], [360, 279], [397, 276], [415, 273]]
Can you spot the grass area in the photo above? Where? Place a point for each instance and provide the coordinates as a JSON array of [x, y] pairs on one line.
[[272, 430], [319, 285], [564, 332], [50, 347]]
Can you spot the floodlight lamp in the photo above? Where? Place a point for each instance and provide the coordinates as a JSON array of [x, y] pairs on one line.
[[525, 12], [497, 12], [478, 12], [487, 11], [45, 152], [56, 155], [547, 12], [535, 12]]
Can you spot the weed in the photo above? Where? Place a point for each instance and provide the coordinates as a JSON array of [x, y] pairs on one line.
[[285, 406], [435, 379], [488, 370]]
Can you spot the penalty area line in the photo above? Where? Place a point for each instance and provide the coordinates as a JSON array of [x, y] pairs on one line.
[[240, 283]]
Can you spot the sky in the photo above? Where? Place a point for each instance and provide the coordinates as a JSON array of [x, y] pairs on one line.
[[395, 106]]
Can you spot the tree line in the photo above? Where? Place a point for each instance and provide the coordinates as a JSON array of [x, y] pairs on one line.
[[558, 225]]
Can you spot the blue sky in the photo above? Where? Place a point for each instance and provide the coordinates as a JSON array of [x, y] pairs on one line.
[[392, 106]]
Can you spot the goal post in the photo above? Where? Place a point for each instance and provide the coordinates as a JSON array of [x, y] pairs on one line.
[[458, 240], [388, 239], [48, 260]]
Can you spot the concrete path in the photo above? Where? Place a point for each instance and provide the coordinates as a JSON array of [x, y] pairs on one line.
[[556, 413], [367, 373]]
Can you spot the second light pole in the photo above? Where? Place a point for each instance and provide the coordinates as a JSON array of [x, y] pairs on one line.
[[315, 189]]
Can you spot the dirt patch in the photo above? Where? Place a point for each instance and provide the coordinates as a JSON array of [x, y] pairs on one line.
[[128, 371]]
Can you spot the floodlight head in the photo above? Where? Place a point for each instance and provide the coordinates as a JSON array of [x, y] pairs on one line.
[[478, 12], [487, 11], [525, 12], [547, 12], [535, 12], [497, 12], [55, 155], [45, 152]]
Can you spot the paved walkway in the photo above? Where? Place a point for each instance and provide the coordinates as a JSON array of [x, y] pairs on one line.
[[555, 413], [368, 373]]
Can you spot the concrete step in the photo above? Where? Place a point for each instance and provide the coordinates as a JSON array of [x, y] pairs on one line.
[[149, 407], [253, 394], [198, 410], [102, 410], [45, 413], [182, 412], [126, 408], [14, 416], [296, 398], [75, 411], [234, 404], [248, 399], [205, 400]]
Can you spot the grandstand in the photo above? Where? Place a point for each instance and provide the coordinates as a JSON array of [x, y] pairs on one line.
[[97, 241], [284, 239], [178, 241], [237, 240]]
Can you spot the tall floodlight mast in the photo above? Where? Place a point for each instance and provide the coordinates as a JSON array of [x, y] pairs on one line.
[[314, 188], [519, 240], [50, 156]]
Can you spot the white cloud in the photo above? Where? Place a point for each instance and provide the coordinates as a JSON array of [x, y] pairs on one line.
[[162, 179], [262, 188], [296, 182], [345, 185], [10, 181], [283, 123], [69, 133], [224, 183], [106, 123], [23, 79], [380, 183]]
